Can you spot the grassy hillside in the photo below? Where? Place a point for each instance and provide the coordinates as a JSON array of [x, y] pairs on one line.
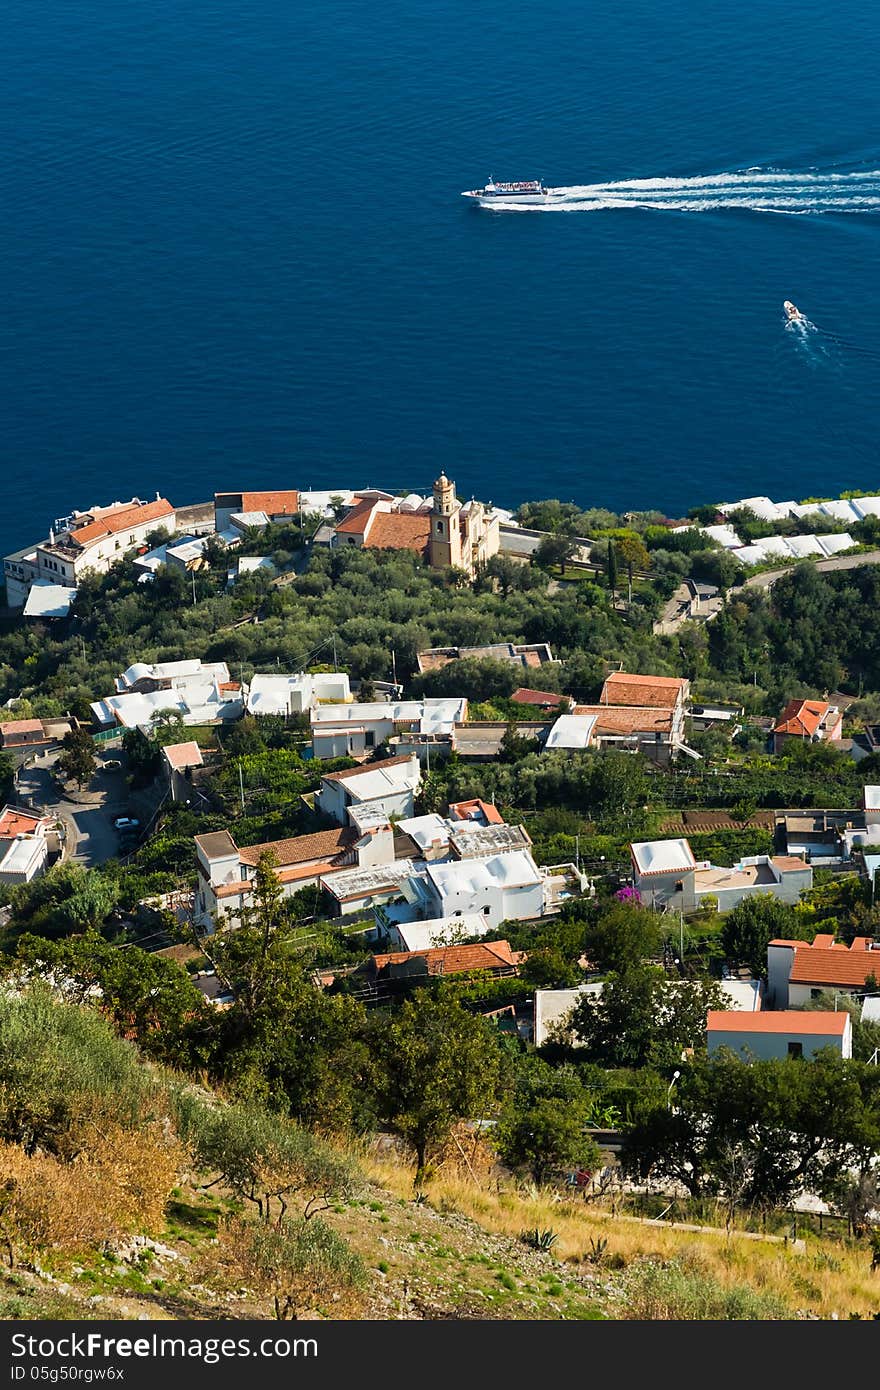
[[128, 1191]]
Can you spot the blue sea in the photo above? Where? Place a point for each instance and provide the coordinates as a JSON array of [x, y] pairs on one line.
[[234, 251]]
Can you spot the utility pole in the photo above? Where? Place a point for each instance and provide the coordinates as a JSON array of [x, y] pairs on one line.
[[334, 652], [428, 751], [394, 666], [241, 783], [577, 852], [681, 938], [193, 573]]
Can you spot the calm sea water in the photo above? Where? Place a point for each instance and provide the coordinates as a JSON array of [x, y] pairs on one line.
[[234, 251]]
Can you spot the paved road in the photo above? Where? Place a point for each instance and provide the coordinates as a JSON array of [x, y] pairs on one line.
[[89, 827], [837, 562]]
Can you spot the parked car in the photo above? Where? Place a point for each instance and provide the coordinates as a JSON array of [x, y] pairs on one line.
[[125, 823]]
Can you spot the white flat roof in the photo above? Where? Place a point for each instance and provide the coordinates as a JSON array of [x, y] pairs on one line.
[[553, 1006], [48, 600], [571, 731], [426, 830], [370, 784], [247, 563], [833, 544], [866, 506], [872, 797], [441, 931], [725, 535], [742, 994], [801, 546], [841, 510], [20, 855], [749, 555], [515, 869], [663, 856]]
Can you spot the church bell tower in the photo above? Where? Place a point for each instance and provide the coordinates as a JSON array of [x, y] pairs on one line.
[[445, 545]]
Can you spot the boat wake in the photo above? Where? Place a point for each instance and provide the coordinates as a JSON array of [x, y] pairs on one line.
[[751, 190]]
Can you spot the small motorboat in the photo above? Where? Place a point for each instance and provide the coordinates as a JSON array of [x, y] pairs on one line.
[[792, 312]]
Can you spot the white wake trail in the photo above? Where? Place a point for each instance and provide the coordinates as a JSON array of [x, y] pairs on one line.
[[751, 190]]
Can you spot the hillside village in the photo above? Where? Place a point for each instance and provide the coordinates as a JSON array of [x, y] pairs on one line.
[[551, 835]]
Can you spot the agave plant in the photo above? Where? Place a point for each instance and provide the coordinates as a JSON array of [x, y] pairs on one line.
[[538, 1239]]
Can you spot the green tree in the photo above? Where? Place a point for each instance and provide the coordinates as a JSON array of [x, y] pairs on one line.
[[550, 1135], [611, 568], [748, 930], [642, 1019], [298, 1264], [439, 1064], [7, 775], [148, 999], [623, 936], [762, 1131], [283, 1041], [77, 757], [554, 552], [142, 754], [265, 1159], [634, 554]]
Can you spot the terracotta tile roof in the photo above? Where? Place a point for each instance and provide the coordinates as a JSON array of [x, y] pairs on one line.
[[182, 755], [623, 688], [22, 726], [322, 844], [473, 810], [449, 960], [783, 1021], [357, 521], [620, 719], [13, 822], [121, 520], [834, 965], [545, 699], [366, 767], [801, 717], [272, 503], [300, 873], [399, 531]]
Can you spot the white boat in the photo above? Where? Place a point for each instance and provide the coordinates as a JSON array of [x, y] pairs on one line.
[[792, 312], [528, 191]]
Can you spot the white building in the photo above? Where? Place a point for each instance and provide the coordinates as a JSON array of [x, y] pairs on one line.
[[24, 847], [798, 972], [352, 730], [226, 873], [667, 876], [389, 786], [85, 542], [201, 693], [502, 887], [775, 1036], [277, 694]]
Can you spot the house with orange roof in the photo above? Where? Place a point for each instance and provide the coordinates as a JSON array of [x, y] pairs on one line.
[[810, 721], [410, 967], [85, 542], [226, 873], [24, 845], [643, 714], [787, 1033], [798, 972], [275, 505]]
